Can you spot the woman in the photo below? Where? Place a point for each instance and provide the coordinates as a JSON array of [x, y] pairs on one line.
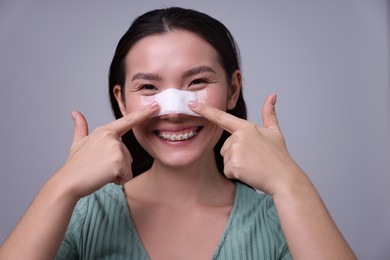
[[187, 199]]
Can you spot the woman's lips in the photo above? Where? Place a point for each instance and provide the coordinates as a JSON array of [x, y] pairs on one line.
[[177, 135]]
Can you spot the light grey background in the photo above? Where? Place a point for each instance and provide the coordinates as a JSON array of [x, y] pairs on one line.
[[327, 60]]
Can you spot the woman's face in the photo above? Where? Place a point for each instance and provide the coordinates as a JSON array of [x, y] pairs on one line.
[[182, 60]]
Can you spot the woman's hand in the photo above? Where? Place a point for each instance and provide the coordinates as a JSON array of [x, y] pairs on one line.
[[101, 157], [255, 155], [94, 161], [258, 156]]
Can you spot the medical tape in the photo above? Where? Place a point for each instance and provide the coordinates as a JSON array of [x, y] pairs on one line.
[[175, 101]]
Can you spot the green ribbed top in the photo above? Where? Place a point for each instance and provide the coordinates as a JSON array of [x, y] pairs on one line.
[[101, 228]]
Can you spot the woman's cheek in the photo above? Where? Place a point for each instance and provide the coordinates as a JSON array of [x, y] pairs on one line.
[[217, 99], [133, 103]]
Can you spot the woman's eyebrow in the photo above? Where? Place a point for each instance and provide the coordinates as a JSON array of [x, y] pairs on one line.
[[197, 70], [146, 76], [188, 73]]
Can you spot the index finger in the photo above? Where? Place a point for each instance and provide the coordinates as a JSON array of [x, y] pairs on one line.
[[225, 120], [127, 122]]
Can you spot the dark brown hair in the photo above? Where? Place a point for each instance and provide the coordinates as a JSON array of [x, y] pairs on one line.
[[158, 22]]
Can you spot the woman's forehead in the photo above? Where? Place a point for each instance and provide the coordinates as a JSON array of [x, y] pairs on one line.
[[178, 49]]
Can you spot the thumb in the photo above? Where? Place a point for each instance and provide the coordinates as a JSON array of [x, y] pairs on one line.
[[80, 126], [269, 115]]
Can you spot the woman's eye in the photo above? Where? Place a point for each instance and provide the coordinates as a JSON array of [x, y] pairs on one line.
[[198, 81], [147, 87]]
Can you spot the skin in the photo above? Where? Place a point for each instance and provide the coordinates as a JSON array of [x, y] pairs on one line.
[[258, 156], [192, 65], [39, 233], [183, 192]]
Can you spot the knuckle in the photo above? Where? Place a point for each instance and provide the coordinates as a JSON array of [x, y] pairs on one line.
[[220, 116], [231, 174], [114, 152], [247, 126], [237, 148], [129, 119], [99, 129], [100, 132], [228, 173], [232, 169], [135, 117], [235, 164]]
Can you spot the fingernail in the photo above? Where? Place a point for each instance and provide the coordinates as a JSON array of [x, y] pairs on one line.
[[73, 114], [274, 98], [153, 105], [193, 103]]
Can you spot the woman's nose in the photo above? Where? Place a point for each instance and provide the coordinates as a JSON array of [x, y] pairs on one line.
[[173, 117]]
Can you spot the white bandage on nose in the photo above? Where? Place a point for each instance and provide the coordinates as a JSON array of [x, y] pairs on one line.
[[174, 101]]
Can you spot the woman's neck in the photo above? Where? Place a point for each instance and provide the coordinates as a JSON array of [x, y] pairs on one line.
[[199, 183]]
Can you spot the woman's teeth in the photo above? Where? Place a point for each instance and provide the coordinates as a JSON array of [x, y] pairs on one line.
[[177, 137]]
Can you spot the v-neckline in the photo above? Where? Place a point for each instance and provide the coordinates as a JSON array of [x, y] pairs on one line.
[[131, 223]]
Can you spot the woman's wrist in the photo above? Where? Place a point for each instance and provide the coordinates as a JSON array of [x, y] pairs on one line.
[[63, 185], [291, 181]]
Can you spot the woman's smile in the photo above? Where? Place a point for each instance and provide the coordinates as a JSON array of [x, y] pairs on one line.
[[177, 135]]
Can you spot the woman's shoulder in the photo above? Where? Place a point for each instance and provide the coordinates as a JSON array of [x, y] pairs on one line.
[[104, 202], [101, 225], [249, 197], [254, 206], [109, 191], [98, 208]]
